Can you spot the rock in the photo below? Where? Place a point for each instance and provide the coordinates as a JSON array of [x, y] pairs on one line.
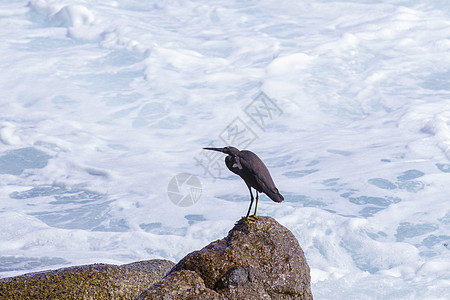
[[257, 260], [97, 281], [183, 284]]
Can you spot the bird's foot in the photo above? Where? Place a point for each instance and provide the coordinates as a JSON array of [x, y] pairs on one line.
[[252, 218]]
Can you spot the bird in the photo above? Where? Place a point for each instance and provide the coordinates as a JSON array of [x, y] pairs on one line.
[[254, 172]]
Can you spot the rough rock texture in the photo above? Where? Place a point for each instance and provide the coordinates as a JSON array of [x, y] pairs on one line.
[[257, 260], [98, 281], [183, 284]]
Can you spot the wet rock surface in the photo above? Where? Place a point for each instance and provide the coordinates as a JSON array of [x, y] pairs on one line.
[[257, 260], [97, 281]]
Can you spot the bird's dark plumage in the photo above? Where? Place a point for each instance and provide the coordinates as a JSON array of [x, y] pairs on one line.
[[253, 171]]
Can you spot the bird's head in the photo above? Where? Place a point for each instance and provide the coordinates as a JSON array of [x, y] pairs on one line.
[[227, 150]]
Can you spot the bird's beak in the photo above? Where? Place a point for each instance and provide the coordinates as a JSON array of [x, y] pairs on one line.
[[216, 149]]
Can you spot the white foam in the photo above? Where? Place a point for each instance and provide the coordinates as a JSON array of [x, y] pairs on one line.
[[8, 134], [72, 16]]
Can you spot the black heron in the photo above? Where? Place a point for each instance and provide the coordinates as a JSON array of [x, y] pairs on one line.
[[254, 172]]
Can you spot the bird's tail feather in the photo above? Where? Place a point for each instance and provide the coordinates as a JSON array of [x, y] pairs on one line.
[[274, 195]]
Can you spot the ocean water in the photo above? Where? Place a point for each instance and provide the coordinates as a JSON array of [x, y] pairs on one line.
[[105, 107]]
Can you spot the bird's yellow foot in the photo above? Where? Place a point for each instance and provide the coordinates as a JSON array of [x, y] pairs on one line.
[[252, 218]]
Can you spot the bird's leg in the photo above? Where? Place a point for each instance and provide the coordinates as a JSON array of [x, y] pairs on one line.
[[247, 217], [256, 206], [251, 201]]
